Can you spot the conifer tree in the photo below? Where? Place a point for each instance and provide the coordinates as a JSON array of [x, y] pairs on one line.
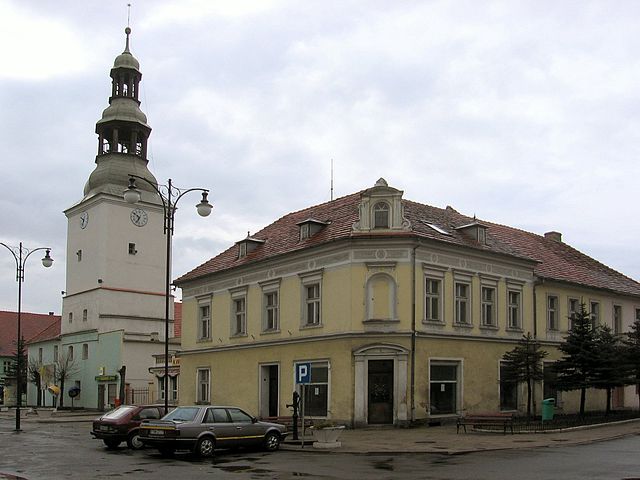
[[631, 346], [576, 369], [523, 364], [610, 366]]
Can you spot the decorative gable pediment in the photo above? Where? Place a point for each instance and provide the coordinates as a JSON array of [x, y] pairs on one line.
[[381, 209]]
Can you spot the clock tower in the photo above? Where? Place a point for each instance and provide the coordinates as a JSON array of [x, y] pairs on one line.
[[113, 306]]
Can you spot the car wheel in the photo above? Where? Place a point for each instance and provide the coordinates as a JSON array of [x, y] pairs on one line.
[[111, 444], [205, 447], [134, 442], [272, 442], [166, 451]]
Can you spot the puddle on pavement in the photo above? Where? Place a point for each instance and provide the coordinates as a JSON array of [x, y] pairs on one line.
[[426, 441]]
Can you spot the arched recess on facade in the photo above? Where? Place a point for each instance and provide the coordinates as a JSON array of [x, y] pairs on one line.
[[380, 354], [381, 297]]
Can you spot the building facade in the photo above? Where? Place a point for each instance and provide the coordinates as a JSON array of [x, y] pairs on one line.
[[113, 306], [401, 310]]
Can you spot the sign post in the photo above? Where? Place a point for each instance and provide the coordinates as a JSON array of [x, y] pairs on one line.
[[303, 378]]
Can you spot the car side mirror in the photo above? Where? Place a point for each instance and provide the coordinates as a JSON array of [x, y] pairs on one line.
[[254, 420]]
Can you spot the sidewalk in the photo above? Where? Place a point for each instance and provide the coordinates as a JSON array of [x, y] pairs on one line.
[[390, 440]]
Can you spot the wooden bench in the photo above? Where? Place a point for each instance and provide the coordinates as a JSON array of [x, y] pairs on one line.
[[503, 420], [287, 421]]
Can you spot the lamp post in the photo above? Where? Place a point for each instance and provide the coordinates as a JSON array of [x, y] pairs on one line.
[[20, 255], [170, 196]]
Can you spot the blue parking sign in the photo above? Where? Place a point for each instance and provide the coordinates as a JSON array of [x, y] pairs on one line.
[[303, 373]]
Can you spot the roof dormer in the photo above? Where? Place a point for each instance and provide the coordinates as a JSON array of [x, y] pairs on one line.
[[475, 230], [248, 245], [310, 227], [381, 209]]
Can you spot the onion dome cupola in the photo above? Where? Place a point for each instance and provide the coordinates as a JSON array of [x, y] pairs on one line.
[[122, 131]]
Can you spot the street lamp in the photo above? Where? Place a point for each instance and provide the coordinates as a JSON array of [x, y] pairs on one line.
[[170, 195], [20, 254]]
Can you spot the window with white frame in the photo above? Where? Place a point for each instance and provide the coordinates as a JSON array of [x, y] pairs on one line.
[[312, 300], [444, 381], [381, 215], [316, 393], [203, 385], [515, 318], [433, 299], [617, 319], [573, 310], [173, 388], [508, 391], [271, 307], [488, 306], [552, 312], [595, 314], [463, 316], [204, 320], [240, 316], [70, 317]]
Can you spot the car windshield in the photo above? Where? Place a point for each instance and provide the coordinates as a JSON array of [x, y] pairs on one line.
[[182, 414], [119, 412]]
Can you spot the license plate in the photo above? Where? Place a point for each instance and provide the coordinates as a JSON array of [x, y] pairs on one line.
[[156, 433], [103, 428]]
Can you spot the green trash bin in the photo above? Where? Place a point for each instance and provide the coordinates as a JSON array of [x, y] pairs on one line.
[[548, 407]]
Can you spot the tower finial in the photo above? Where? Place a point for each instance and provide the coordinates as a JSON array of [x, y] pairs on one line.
[[128, 13], [126, 47]]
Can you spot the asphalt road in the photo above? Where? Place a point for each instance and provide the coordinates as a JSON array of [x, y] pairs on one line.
[[66, 450]]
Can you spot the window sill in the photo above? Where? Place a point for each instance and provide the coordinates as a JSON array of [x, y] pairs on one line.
[[381, 320], [270, 332], [489, 327], [463, 325], [514, 329], [239, 335], [203, 340], [436, 323], [308, 326]]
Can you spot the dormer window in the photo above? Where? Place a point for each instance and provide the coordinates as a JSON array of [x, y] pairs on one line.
[[310, 227], [381, 215], [475, 230], [248, 245]]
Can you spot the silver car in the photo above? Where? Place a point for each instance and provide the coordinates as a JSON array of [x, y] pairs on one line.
[[202, 429]]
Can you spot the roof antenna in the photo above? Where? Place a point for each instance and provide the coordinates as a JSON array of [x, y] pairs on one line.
[[128, 14], [332, 179]]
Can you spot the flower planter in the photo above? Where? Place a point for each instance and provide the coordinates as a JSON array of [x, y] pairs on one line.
[[327, 437]]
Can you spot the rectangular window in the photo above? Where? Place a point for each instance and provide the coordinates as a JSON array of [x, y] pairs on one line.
[[204, 322], [514, 310], [132, 249], [173, 389], [304, 231], [316, 393], [79, 254], [70, 317], [271, 310], [488, 306], [443, 387], [85, 351], [574, 310], [204, 377], [462, 304], [112, 388], [508, 392], [549, 380], [70, 352], [617, 319], [312, 299], [595, 314], [239, 316], [40, 355], [433, 299], [85, 315], [552, 312], [55, 353]]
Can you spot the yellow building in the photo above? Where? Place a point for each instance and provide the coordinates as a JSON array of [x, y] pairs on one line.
[[403, 311]]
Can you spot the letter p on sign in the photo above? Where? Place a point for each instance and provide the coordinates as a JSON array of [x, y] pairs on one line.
[[303, 373]]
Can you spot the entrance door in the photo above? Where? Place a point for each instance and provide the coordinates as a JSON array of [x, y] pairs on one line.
[[380, 391], [101, 397], [269, 384]]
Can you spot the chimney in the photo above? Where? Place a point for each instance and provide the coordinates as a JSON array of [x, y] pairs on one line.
[[51, 313], [555, 236]]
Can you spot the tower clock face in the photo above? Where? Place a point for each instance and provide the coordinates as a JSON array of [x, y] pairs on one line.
[[84, 220], [139, 217]]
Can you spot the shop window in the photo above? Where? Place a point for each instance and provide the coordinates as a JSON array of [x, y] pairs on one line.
[[508, 392], [316, 393], [443, 387]]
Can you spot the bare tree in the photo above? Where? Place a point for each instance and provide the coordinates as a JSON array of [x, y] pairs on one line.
[[33, 375], [65, 367]]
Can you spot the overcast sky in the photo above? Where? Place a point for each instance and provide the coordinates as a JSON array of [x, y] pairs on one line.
[[523, 113]]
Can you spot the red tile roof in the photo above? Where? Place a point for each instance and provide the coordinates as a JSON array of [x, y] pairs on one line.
[[31, 325], [551, 259]]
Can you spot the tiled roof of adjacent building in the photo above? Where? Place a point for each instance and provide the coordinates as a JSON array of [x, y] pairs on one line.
[[31, 325], [551, 259], [177, 319]]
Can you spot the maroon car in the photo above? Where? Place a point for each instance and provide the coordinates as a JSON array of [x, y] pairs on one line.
[[121, 424]]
